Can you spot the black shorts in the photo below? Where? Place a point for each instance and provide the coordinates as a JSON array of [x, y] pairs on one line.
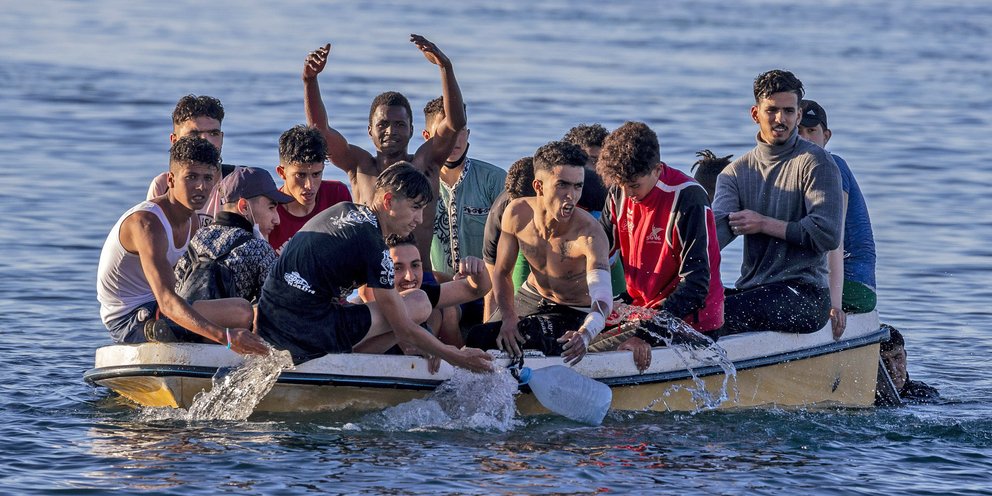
[[342, 328]]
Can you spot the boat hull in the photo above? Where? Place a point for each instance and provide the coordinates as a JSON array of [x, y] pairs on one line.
[[772, 369]]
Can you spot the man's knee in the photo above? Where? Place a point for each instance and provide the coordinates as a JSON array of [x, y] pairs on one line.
[[418, 306]]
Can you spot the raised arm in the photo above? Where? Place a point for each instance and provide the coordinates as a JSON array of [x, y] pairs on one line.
[[339, 151], [439, 147], [144, 234]]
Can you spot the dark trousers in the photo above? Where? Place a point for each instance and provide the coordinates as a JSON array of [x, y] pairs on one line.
[[782, 307], [542, 322]]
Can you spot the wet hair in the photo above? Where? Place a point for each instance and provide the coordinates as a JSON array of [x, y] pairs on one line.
[[895, 339], [302, 145], [404, 180], [777, 81], [707, 168], [391, 99], [434, 111], [586, 135], [629, 152], [394, 240], [190, 107], [520, 179], [193, 150], [558, 153]]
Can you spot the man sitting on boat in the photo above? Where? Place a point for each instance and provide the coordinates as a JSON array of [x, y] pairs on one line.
[[660, 222], [784, 196], [135, 280], [390, 128], [564, 303], [231, 258], [303, 307], [302, 152]]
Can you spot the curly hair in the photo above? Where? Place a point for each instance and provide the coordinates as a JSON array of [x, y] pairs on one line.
[[302, 144], [777, 81], [394, 240], [629, 152], [391, 99], [193, 150], [520, 179], [191, 106], [558, 153], [586, 135], [404, 180]]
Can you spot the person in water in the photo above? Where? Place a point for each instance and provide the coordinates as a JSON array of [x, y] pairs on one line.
[[390, 128], [893, 351], [135, 279], [660, 222], [468, 189], [302, 152], [196, 116], [785, 197], [303, 308], [564, 303], [236, 240], [858, 253]]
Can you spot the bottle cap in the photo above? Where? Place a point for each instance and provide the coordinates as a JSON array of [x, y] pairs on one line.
[[524, 375]]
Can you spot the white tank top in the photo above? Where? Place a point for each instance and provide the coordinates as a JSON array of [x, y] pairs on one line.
[[121, 285]]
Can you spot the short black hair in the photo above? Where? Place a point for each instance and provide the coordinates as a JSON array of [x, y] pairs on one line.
[[586, 135], [391, 99], [558, 153], [191, 106], [302, 144], [193, 150], [434, 110], [629, 152], [777, 81], [520, 179], [405, 180], [707, 169], [394, 240], [895, 339]]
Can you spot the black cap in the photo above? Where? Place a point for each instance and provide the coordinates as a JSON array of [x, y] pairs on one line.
[[813, 114], [249, 182]]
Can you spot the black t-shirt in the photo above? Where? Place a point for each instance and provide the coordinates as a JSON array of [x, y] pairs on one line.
[[338, 250]]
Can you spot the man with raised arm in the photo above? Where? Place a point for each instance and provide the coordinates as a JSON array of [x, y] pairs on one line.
[[785, 197], [564, 303], [390, 128], [303, 307], [135, 281]]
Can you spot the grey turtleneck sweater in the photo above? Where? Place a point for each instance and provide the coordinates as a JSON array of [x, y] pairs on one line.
[[796, 182]]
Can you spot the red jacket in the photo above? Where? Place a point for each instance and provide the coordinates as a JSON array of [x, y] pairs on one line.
[[669, 249]]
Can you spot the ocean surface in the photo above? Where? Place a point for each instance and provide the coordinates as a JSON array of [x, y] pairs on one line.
[[87, 90]]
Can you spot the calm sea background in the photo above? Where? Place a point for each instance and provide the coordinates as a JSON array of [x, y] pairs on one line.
[[87, 89]]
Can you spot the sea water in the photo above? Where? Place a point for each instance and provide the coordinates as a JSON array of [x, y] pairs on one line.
[[88, 90]]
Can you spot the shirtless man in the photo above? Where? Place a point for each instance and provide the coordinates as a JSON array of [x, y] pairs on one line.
[[390, 128], [567, 295], [135, 279]]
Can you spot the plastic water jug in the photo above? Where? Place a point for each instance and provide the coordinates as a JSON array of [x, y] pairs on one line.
[[569, 393]]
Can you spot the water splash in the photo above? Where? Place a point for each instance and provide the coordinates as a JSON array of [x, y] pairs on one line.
[[690, 346], [235, 391], [466, 401]]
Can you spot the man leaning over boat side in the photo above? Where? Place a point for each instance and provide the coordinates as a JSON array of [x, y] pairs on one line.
[[660, 222], [196, 116], [390, 128], [135, 280], [303, 308], [564, 303], [785, 197], [469, 283]]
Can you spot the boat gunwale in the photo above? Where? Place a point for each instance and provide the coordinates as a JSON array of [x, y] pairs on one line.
[[95, 375]]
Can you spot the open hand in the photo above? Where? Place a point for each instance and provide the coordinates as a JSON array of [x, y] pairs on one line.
[[245, 342], [433, 54], [641, 350], [315, 62], [510, 339], [838, 322], [475, 360], [574, 347]]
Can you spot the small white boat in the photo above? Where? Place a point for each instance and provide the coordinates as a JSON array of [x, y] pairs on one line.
[[780, 369]]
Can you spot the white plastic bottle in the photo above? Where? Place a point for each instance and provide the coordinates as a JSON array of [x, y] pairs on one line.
[[569, 393]]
